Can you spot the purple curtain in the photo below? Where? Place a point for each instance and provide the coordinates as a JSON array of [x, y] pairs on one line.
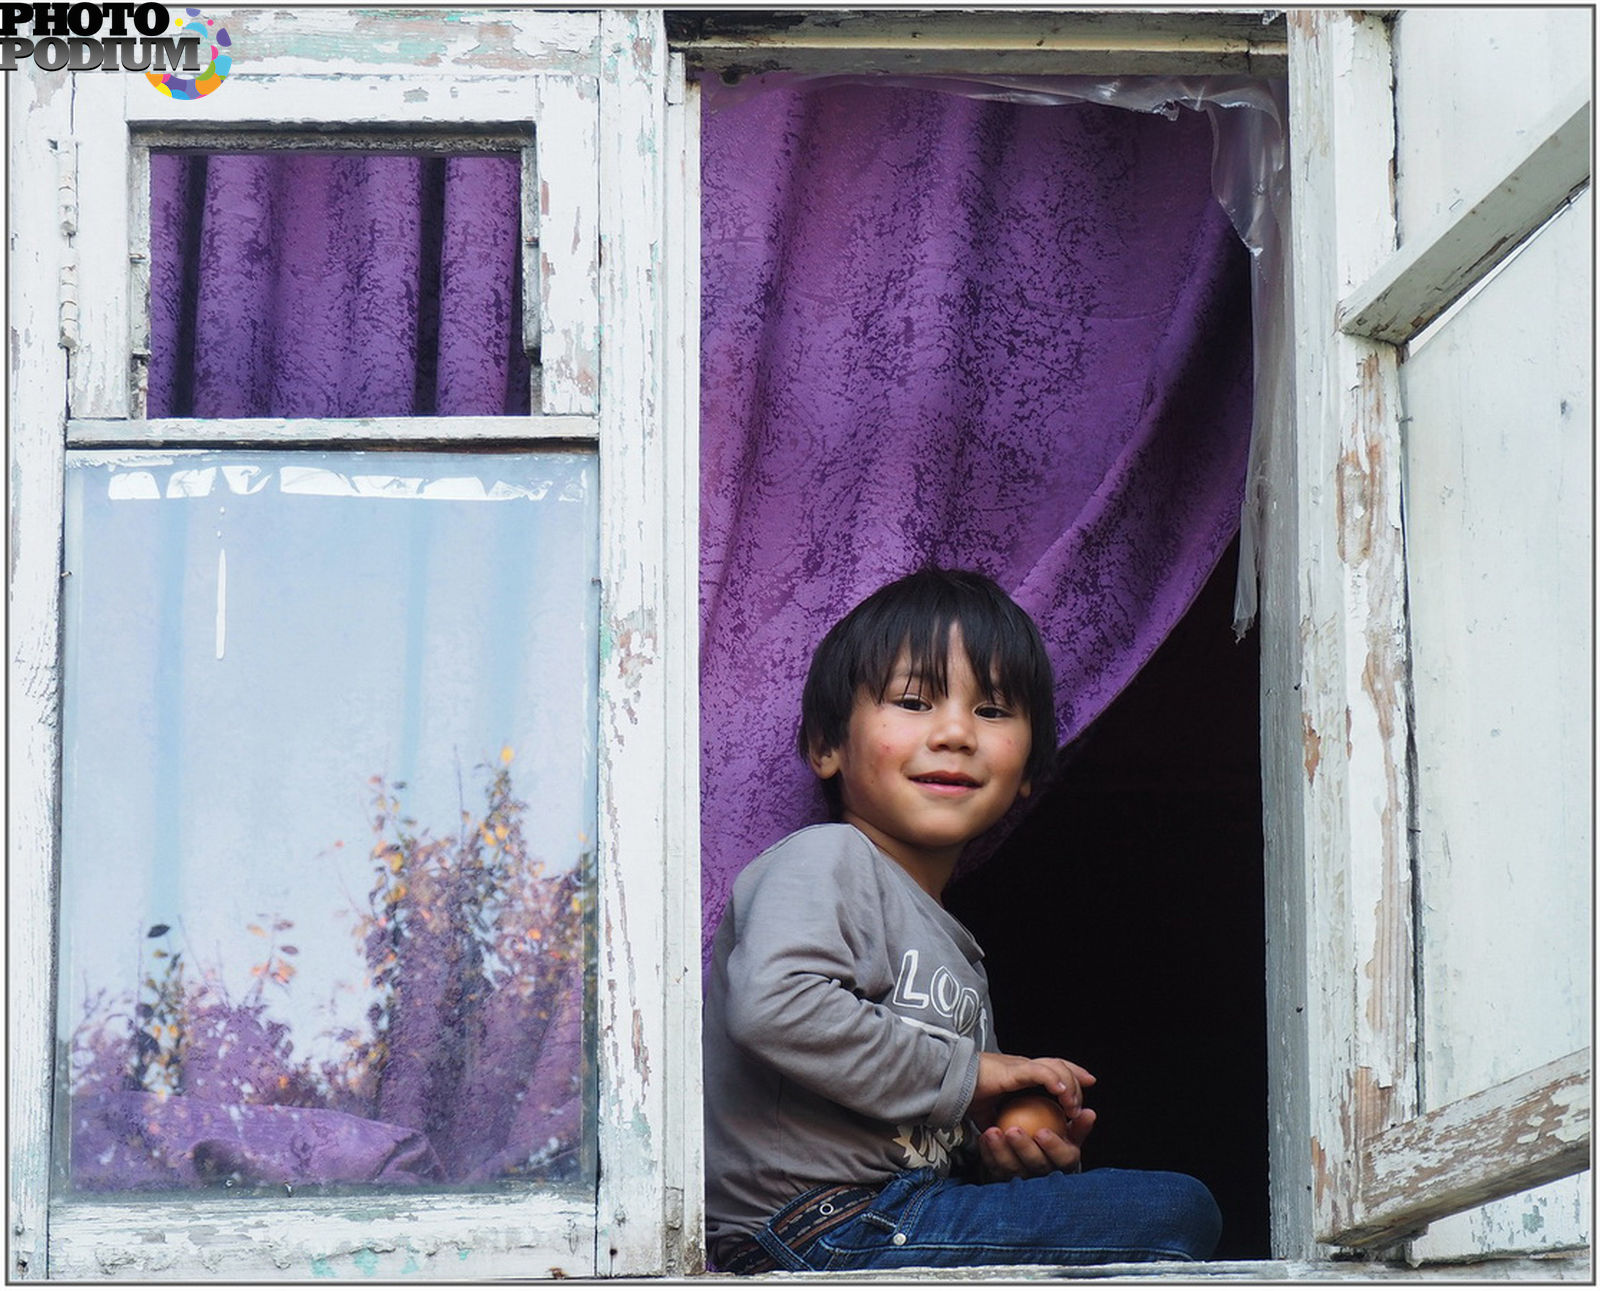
[[942, 330], [335, 285]]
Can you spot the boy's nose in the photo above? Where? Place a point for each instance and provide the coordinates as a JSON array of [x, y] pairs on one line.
[[954, 729]]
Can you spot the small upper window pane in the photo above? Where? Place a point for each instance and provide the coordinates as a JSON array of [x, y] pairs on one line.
[[342, 284], [328, 811]]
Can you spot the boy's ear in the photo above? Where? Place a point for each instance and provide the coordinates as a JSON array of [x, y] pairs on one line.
[[1025, 788], [825, 762]]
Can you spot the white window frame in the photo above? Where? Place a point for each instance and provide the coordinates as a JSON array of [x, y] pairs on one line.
[[614, 280]]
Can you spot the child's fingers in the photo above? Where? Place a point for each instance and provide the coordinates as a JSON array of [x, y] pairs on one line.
[[1013, 1154], [1065, 1080], [998, 1159], [1026, 1148], [1060, 1153], [1000, 1074], [1070, 1072]]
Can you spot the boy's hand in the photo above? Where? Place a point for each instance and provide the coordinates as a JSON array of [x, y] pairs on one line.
[[1012, 1154], [1005, 1073]]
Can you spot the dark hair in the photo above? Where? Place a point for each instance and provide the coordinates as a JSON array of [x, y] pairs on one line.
[[916, 613]]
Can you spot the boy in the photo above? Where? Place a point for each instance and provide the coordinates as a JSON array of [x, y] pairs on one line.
[[851, 1069]]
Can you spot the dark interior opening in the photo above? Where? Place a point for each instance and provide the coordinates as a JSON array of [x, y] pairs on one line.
[[1124, 926]]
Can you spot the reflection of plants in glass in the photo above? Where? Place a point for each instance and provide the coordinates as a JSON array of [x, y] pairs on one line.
[[457, 928], [473, 957], [276, 965], [161, 1020]]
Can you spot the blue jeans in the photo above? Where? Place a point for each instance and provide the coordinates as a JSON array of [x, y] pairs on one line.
[[1096, 1217]]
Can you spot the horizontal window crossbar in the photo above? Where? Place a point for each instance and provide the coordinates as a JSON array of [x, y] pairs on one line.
[[458, 138], [1016, 42], [329, 432], [541, 1231]]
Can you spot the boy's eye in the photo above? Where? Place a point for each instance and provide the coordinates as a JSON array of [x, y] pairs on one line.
[[912, 703], [993, 710]]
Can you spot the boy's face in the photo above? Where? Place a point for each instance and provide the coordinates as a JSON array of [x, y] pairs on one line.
[[923, 774]]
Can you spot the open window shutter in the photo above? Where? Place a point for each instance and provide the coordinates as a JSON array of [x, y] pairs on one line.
[[1446, 590]]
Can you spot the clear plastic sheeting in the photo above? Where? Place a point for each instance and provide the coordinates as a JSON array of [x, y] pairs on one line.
[[1249, 175]]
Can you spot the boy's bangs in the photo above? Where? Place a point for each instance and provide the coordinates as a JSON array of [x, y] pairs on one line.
[[925, 642]]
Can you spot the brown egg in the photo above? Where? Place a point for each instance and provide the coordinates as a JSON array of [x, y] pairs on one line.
[[1030, 1110]]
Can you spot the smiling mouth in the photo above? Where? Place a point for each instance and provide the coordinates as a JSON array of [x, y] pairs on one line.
[[947, 779]]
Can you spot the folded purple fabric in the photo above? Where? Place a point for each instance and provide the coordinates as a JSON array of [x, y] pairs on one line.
[[938, 330], [335, 285]]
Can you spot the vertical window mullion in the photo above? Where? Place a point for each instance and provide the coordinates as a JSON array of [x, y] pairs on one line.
[[531, 285], [139, 276]]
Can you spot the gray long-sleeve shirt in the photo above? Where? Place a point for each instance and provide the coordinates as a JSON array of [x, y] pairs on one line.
[[844, 1016]]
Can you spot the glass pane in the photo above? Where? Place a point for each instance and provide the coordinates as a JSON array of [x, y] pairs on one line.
[[329, 786], [349, 284]]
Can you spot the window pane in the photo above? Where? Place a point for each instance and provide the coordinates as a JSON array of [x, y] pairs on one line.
[[329, 786], [349, 284]]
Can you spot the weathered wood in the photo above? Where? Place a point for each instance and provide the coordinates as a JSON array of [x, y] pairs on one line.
[[1432, 270], [1354, 669], [1364, 1080], [1499, 536], [454, 139], [1469, 83], [98, 363], [416, 43], [1274, 489], [567, 276], [363, 101], [1573, 1266], [685, 1132], [368, 432], [540, 1234], [1500, 525], [39, 109], [996, 42], [137, 375], [533, 292], [1534, 1128], [633, 718]]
